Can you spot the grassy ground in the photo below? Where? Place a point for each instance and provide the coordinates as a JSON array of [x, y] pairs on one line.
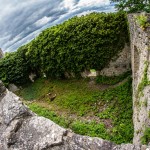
[[83, 107]]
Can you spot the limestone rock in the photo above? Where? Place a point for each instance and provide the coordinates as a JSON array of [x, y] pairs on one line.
[[2, 88], [1, 53], [13, 88], [21, 129]]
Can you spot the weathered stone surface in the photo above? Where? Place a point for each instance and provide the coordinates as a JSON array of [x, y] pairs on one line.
[[20, 129], [2, 88], [1, 53], [12, 88], [115, 67], [120, 65], [140, 55]]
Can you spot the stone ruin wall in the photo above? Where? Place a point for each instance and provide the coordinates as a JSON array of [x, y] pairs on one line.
[[140, 54], [115, 67], [1, 53], [120, 65]]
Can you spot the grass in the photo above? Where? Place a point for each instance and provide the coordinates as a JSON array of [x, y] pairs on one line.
[[113, 79], [110, 110], [146, 137]]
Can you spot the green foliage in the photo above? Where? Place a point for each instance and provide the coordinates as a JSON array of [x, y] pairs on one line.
[[142, 20], [41, 111], [146, 137], [90, 129], [133, 5], [75, 97], [80, 43], [112, 80], [14, 67], [144, 82]]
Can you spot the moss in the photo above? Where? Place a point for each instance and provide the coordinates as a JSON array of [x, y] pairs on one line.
[[146, 137], [142, 20], [144, 82]]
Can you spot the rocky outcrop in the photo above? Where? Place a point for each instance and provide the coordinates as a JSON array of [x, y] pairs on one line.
[[21, 129]]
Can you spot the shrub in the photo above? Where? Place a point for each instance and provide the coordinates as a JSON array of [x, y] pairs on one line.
[[80, 43], [14, 67], [142, 20]]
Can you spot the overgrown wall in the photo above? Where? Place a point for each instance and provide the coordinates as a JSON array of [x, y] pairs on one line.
[[140, 54], [119, 65]]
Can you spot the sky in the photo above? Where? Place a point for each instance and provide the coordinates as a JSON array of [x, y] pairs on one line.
[[23, 20]]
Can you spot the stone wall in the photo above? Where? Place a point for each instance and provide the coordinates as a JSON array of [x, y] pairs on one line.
[[21, 129], [1, 53], [140, 54], [120, 65]]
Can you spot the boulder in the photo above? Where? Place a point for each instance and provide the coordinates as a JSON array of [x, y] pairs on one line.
[[21, 129], [13, 88]]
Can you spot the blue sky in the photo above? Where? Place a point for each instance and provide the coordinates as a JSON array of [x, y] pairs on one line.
[[21, 21]]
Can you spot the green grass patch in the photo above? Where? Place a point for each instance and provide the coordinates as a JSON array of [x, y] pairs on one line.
[[112, 80], [113, 107], [41, 111]]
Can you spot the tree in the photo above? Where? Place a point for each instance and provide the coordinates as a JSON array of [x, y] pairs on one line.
[[133, 5]]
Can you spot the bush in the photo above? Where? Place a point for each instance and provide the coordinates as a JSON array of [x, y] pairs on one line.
[[14, 67], [142, 20], [80, 43]]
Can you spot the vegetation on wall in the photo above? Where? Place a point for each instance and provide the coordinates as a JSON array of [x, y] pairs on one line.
[[142, 20], [144, 82], [133, 5], [146, 137], [80, 43], [14, 67]]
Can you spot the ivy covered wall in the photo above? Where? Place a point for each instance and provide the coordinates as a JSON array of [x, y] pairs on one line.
[[80, 43]]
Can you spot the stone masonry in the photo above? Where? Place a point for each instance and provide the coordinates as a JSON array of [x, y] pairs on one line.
[[140, 54], [120, 65]]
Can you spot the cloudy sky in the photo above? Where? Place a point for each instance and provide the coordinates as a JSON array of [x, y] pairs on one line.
[[22, 20]]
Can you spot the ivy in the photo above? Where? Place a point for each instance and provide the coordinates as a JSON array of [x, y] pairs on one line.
[[144, 82], [80, 43], [146, 137], [14, 67]]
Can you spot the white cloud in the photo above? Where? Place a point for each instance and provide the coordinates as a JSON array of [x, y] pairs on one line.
[[94, 3], [42, 21], [21, 21], [69, 4]]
